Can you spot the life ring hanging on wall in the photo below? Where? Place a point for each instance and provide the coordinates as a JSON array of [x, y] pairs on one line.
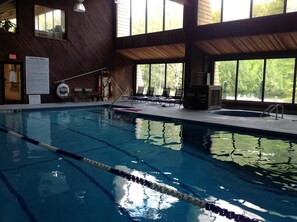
[[62, 90]]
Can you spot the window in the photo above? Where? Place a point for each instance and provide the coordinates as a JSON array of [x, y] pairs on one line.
[[267, 7], [173, 14], [246, 80], [235, 10], [291, 6], [250, 80], [295, 97], [8, 20], [143, 76], [123, 18], [155, 16], [49, 22], [209, 11], [147, 16], [225, 75], [159, 76], [174, 77], [279, 80], [138, 16]]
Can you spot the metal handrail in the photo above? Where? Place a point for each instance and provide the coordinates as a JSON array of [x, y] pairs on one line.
[[273, 107], [84, 74], [269, 109], [282, 107], [130, 90]]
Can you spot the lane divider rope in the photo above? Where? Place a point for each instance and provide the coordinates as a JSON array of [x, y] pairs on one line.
[[154, 186]]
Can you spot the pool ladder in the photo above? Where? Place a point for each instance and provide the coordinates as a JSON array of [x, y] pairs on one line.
[[274, 107], [122, 95]]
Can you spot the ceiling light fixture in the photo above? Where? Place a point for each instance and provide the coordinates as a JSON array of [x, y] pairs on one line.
[[79, 6]]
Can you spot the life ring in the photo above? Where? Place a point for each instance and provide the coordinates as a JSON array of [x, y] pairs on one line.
[[62, 90]]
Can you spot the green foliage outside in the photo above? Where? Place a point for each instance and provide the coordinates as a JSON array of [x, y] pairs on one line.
[[260, 8], [154, 76], [272, 7], [173, 17], [278, 82], [250, 77]]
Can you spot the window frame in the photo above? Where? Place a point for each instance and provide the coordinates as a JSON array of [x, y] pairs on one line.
[[264, 77], [56, 34], [200, 23], [16, 21], [163, 22], [165, 76]]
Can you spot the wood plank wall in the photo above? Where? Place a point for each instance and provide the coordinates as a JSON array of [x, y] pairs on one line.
[[89, 44]]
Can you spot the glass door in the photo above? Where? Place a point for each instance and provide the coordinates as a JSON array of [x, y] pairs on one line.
[[11, 81]]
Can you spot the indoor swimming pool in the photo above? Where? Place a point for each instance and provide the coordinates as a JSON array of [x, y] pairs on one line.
[[248, 174]]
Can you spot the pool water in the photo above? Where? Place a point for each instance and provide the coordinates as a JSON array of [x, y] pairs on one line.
[[253, 175]]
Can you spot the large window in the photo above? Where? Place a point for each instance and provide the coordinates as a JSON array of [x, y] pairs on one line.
[[123, 18], [143, 76], [265, 7], [138, 16], [210, 11], [279, 78], [268, 80], [160, 76], [174, 77], [154, 16], [250, 77], [291, 6], [49, 22], [147, 16], [174, 13], [225, 75], [8, 21], [235, 10]]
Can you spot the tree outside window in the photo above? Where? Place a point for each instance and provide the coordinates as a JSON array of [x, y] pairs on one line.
[[250, 78], [279, 80], [225, 76]]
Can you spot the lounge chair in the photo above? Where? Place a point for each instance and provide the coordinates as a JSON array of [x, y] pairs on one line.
[[78, 94], [139, 95], [163, 98], [151, 95], [176, 99]]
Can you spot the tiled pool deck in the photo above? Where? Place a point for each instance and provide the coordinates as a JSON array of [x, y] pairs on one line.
[[286, 126]]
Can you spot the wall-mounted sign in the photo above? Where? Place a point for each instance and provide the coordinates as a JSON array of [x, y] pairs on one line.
[[12, 56], [37, 75], [34, 99]]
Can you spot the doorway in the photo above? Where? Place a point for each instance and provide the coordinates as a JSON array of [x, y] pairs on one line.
[[11, 83]]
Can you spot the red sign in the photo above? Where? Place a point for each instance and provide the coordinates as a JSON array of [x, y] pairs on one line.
[[12, 56]]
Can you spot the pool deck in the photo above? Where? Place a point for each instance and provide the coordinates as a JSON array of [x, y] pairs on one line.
[[281, 127]]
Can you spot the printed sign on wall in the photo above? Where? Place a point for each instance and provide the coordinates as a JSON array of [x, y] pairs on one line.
[[37, 75]]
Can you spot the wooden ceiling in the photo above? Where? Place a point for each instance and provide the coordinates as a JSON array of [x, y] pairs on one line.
[[171, 51], [250, 44]]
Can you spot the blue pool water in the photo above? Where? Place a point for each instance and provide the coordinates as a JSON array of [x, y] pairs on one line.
[[248, 174]]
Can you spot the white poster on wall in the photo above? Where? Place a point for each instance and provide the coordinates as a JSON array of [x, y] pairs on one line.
[[37, 75], [34, 99]]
